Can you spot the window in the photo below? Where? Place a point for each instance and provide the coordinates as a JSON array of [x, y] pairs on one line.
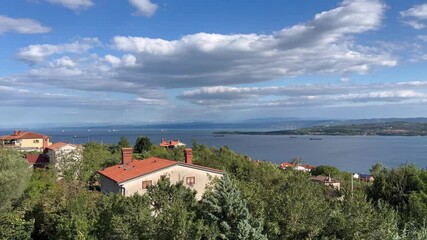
[[35, 141], [146, 184], [191, 181]]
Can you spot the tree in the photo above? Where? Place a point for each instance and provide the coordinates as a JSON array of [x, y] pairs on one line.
[[14, 177], [174, 207], [225, 211], [376, 169], [123, 143], [142, 144], [326, 170]]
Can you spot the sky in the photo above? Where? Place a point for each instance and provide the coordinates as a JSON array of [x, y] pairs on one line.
[[148, 61]]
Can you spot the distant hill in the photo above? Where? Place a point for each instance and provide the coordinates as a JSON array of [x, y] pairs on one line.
[[260, 124], [395, 128]]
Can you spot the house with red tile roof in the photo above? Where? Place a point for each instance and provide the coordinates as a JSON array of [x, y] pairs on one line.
[[171, 143], [26, 141], [135, 176]]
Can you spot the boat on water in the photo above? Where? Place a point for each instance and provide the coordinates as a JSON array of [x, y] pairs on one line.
[[315, 138], [293, 136]]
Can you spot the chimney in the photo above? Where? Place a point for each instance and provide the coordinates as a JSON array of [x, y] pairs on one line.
[[16, 133], [45, 142], [188, 155], [127, 155]]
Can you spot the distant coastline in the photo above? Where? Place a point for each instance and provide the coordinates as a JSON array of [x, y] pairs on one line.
[[371, 129]]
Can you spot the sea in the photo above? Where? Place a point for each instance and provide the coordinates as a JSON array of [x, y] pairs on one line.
[[348, 153]]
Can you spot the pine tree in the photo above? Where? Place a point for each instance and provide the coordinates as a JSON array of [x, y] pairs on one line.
[[225, 211]]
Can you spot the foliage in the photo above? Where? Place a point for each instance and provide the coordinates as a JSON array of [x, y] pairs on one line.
[[14, 176], [124, 142], [326, 171], [142, 144], [226, 212], [405, 189]]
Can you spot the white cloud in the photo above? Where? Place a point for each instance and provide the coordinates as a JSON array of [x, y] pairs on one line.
[[39, 52], [321, 46], [418, 11], [21, 25], [73, 4], [127, 60], [318, 94], [63, 62], [416, 15], [144, 7]]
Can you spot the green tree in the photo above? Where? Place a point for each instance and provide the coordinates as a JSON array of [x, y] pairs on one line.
[[142, 144], [326, 170], [14, 177], [123, 143], [376, 169], [174, 207], [358, 218], [226, 212]]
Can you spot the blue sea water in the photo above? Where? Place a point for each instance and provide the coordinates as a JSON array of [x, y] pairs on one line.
[[349, 153]]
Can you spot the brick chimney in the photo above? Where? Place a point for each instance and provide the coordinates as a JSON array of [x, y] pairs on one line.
[[189, 155], [127, 155], [45, 142], [16, 133]]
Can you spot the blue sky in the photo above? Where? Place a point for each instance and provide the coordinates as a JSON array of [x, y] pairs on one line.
[[127, 61]]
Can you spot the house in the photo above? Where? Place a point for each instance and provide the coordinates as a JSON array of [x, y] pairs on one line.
[[171, 144], [37, 160], [26, 141], [298, 167], [62, 154], [135, 176], [366, 177], [327, 181]]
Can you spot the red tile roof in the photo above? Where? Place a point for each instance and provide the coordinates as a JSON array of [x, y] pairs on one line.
[[57, 145], [136, 168], [34, 159], [23, 135], [166, 143]]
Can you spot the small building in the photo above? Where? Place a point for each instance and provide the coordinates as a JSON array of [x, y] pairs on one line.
[[171, 143], [135, 176], [366, 177], [298, 167], [25, 141], [37, 160], [327, 181], [62, 154]]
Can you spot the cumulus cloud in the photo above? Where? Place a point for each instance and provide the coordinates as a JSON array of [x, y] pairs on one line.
[[144, 7], [21, 25], [39, 52], [73, 4], [323, 45], [415, 16]]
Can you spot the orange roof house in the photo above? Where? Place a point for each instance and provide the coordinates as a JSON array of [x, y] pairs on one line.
[[171, 143], [25, 140], [135, 176]]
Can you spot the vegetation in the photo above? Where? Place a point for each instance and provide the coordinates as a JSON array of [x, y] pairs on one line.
[[381, 129], [255, 200]]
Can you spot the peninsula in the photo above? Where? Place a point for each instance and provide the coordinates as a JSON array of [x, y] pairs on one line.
[[370, 129]]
